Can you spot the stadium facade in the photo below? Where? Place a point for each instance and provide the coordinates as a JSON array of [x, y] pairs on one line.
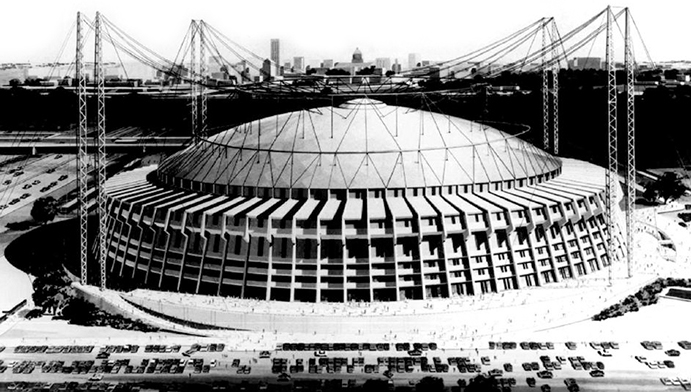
[[359, 202]]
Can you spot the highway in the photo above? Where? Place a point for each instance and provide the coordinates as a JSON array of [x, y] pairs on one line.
[[68, 145]]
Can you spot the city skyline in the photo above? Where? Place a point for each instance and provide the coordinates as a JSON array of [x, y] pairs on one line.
[[437, 36]]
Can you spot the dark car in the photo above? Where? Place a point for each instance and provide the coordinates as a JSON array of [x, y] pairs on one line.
[[530, 381], [669, 364], [597, 373], [673, 353], [545, 374], [508, 367]]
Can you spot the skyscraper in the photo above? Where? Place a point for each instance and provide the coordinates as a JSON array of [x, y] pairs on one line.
[[298, 63], [413, 60], [383, 63], [276, 52]]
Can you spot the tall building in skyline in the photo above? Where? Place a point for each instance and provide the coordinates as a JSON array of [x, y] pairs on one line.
[[413, 60], [328, 63], [396, 67], [276, 53], [383, 63], [299, 63]]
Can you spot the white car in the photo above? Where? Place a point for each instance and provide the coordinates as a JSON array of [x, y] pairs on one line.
[[96, 377], [320, 353], [604, 353], [213, 363]]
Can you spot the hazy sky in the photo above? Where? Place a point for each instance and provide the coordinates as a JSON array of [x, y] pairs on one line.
[[33, 30]]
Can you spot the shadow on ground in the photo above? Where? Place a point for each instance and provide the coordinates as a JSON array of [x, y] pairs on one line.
[[50, 247]]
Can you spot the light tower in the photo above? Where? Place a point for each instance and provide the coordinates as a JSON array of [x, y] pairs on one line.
[[82, 156], [630, 143], [555, 88], [100, 158], [545, 88], [612, 169], [193, 79]]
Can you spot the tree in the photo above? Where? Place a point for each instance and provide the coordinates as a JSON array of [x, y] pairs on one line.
[[44, 210], [431, 384], [337, 72], [375, 386], [483, 384], [668, 187]]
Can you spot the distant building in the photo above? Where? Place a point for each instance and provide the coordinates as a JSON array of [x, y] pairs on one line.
[[328, 63], [383, 63], [268, 70], [275, 51], [299, 63], [413, 60], [585, 63], [287, 66], [357, 56], [396, 67], [355, 65]]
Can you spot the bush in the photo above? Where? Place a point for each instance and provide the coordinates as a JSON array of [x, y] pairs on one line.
[[648, 295]]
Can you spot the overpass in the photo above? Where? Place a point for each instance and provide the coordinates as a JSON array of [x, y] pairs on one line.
[[68, 145]]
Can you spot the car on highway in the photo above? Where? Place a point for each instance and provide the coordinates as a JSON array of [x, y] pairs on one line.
[[672, 353], [58, 156], [546, 388], [14, 201], [36, 182], [26, 186], [571, 345], [320, 353], [51, 170], [530, 381], [508, 367], [597, 373], [7, 182], [685, 344], [600, 365], [525, 345], [484, 360], [669, 364], [96, 377], [62, 177], [604, 353], [640, 358], [24, 196]]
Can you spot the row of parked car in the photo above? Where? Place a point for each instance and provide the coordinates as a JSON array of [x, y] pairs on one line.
[[53, 349], [340, 346]]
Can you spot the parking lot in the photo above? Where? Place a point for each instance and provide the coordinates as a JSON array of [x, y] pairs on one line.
[[521, 365]]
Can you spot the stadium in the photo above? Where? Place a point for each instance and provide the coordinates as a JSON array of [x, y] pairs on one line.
[[361, 202]]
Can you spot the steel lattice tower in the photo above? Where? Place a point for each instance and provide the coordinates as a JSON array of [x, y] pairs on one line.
[[612, 170], [203, 69], [100, 158], [630, 143], [193, 79], [555, 88], [545, 89], [82, 156]]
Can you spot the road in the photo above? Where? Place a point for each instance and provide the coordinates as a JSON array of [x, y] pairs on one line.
[[622, 371]]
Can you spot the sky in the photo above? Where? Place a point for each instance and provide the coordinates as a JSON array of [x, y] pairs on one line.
[[33, 30]]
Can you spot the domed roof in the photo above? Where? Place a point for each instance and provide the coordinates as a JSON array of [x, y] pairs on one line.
[[362, 144], [357, 56]]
